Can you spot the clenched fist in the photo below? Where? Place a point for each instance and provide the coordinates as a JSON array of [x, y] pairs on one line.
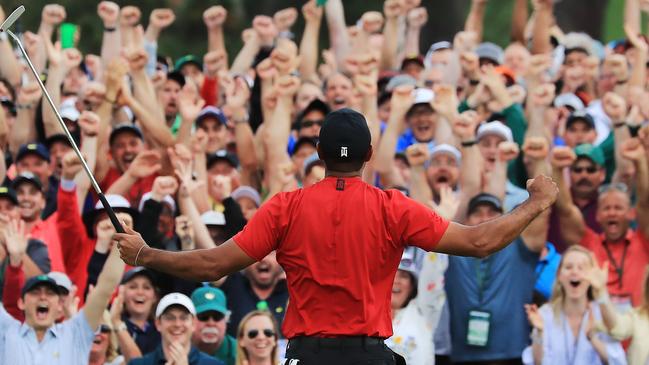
[[562, 157], [543, 190]]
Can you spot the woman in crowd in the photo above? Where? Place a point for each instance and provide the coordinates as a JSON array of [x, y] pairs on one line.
[[417, 302], [257, 339], [105, 349], [564, 329], [633, 324]]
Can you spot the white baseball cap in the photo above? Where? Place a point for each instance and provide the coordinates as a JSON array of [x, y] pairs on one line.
[[213, 218], [495, 128], [423, 96], [62, 280], [174, 299], [448, 149], [569, 99], [166, 199], [68, 110]]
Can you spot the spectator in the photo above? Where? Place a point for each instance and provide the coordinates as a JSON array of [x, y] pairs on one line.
[[417, 301], [140, 296], [257, 338], [210, 333], [105, 349], [565, 327], [175, 316], [34, 158], [248, 199], [260, 287]]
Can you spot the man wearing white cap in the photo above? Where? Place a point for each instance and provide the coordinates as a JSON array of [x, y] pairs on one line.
[[489, 136], [420, 119], [175, 319]]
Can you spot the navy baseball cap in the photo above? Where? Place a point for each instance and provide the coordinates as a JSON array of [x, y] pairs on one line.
[[40, 280], [344, 136], [27, 177], [484, 199], [124, 127], [59, 137], [581, 116], [33, 149], [8, 193], [138, 271], [211, 112]]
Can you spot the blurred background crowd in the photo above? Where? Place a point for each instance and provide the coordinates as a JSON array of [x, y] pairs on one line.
[[190, 126]]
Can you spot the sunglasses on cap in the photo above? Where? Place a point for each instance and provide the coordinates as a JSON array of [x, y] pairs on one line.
[[267, 332], [104, 328], [310, 123], [580, 169], [204, 317], [613, 186]]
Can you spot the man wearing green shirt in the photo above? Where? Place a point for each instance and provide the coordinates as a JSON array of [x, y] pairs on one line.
[[210, 333]]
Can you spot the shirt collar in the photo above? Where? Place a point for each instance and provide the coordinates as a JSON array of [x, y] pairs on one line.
[[159, 356], [628, 237], [25, 329]]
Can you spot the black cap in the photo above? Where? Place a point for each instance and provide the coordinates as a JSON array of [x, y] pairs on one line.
[[302, 141], [484, 199], [8, 193], [124, 127], [27, 177], [59, 137], [580, 116], [39, 280], [344, 136], [33, 149], [222, 155], [418, 60], [137, 271]]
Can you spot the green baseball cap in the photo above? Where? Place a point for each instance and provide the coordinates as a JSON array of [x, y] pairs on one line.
[[208, 298], [185, 60], [593, 153]]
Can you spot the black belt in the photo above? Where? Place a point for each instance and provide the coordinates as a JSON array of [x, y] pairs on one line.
[[335, 342]]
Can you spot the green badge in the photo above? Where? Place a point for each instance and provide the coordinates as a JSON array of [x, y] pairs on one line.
[[478, 328], [262, 305]]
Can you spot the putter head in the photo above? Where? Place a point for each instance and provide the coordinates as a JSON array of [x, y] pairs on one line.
[[11, 19]]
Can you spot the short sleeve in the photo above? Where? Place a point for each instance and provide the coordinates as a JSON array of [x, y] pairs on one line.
[[37, 251], [261, 235], [589, 239], [417, 224]]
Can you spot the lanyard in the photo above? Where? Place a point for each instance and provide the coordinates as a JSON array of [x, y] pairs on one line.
[[618, 268], [482, 269], [572, 350]]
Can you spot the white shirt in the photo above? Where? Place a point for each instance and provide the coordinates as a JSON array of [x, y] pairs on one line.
[[414, 325]]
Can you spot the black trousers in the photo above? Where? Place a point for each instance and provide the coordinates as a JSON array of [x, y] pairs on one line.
[[340, 351]]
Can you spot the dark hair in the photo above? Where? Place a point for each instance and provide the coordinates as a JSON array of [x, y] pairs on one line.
[[413, 292], [311, 165]]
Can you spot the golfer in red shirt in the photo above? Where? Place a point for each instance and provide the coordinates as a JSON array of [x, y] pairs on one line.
[[340, 242]]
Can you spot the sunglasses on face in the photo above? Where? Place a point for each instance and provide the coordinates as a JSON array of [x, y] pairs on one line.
[[310, 123], [580, 169], [267, 332], [204, 317], [614, 186]]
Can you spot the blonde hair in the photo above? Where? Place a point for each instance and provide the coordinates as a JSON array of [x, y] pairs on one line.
[[558, 294], [644, 307], [241, 352], [113, 346]]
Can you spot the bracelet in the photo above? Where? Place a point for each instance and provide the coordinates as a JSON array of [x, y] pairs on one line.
[[24, 106], [138, 254], [603, 298], [622, 82], [110, 29], [619, 125], [121, 327], [469, 143]]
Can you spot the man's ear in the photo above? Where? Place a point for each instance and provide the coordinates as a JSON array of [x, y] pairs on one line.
[[319, 150], [157, 324], [368, 155], [21, 304]]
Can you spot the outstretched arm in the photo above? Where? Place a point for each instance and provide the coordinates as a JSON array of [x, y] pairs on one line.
[[489, 237]]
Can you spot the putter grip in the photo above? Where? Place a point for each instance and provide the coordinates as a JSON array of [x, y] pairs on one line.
[[111, 214]]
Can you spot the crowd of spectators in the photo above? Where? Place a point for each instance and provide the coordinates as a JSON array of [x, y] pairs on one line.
[[187, 150]]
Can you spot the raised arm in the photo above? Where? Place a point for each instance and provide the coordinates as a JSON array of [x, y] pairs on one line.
[[420, 191], [464, 128], [309, 43], [538, 102], [402, 99], [519, 19], [145, 163], [9, 66], [536, 151], [497, 178], [263, 34], [392, 9], [571, 221], [109, 278], [615, 108], [158, 20], [338, 37], [214, 17], [492, 236], [417, 18], [638, 76], [475, 19], [632, 15], [542, 24], [111, 43], [635, 152], [25, 131]]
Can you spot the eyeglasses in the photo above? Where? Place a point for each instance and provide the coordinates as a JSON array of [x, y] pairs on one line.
[[204, 317], [267, 332], [621, 187], [580, 169], [310, 123]]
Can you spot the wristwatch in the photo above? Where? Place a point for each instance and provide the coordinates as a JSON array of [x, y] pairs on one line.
[[121, 327]]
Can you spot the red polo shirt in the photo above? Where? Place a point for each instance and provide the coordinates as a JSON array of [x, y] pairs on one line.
[[340, 242], [635, 261]]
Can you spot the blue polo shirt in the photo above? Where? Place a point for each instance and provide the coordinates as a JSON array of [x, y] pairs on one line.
[[146, 340], [508, 283], [157, 357], [546, 271]]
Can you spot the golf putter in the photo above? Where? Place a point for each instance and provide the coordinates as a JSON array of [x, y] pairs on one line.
[[11, 19]]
